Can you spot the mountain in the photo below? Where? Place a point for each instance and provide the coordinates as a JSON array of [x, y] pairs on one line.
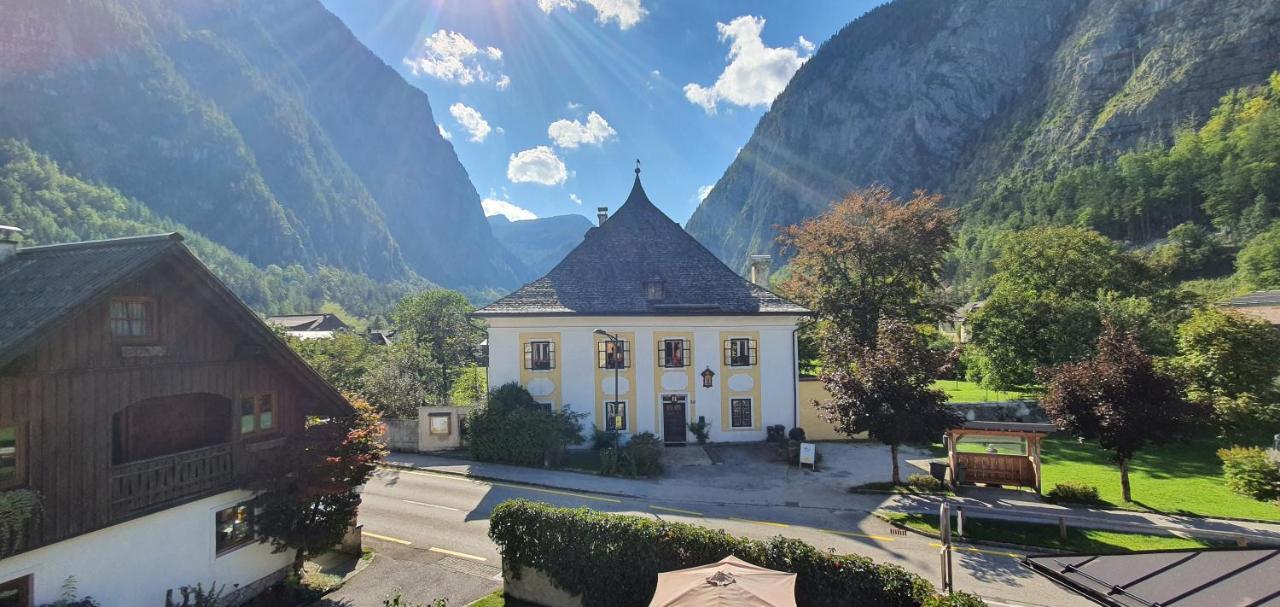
[[264, 125], [539, 243], [972, 98]]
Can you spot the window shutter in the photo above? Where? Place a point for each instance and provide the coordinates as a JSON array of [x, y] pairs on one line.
[[752, 345], [600, 354], [528, 355], [685, 353], [551, 354], [728, 352]]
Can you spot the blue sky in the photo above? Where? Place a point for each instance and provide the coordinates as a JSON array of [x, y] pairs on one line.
[[549, 102]]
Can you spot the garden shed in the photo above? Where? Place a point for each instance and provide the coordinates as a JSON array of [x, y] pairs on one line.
[[996, 453]]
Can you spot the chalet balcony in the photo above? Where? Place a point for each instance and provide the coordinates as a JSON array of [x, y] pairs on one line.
[[149, 484]]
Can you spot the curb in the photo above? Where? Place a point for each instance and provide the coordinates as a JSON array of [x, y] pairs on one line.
[[498, 479], [1009, 545]]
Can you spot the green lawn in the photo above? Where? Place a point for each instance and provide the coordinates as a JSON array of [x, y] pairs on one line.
[[498, 600], [1047, 536], [1175, 479], [969, 392]]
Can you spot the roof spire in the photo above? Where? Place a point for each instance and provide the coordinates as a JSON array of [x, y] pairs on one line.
[[637, 167]]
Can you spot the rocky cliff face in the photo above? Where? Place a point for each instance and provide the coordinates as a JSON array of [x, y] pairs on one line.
[[265, 125], [951, 95], [540, 243]]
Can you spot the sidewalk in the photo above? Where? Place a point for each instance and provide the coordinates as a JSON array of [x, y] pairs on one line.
[[791, 488]]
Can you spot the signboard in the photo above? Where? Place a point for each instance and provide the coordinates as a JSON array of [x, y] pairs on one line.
[[809, 454], [439, 423]]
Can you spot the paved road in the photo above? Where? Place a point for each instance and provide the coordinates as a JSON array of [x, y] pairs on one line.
[[429, 527]]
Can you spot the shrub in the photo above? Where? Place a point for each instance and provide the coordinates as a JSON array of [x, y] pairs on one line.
[[959, 599], [796, 434], [613, 559], [641, 457], [602, 439], [1073, 492], [924, 482], [511, 428], [1250, 472], [701, 430]]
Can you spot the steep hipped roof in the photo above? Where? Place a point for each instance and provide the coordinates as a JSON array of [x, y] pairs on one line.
[[42, 287], [1257, 298], [319, 321], [609, 272]]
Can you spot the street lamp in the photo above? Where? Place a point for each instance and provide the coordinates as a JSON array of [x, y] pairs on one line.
[[617, 349]]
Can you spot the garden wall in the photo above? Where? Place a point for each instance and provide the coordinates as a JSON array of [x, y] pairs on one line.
[[815, 428]]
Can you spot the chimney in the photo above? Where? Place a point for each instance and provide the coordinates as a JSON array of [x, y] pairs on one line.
[[602, 213], [759, 265], [8, 242]]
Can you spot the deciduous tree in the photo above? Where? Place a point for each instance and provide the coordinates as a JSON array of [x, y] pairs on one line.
[[871, 255], [888, 391], [307, 490], [438, 323], [1119, 399]]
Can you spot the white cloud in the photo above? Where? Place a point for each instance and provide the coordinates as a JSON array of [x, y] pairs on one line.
[[575, 199], [571, 133], [494, 206], [537, 165], [626, 12], [471, 121], [503, 82], [445, 133], [703, 191], [755, 73], [574, 105], [453, 57], [804, 45]]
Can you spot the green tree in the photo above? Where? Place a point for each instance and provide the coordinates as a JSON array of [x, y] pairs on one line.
[[1119, 399], [871, 255], [438, 324], [400, 378], [307, 490], [888, 391], [1228, 353], [344, 359], [1258, 264]]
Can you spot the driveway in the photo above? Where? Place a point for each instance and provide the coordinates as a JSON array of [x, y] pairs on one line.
[[754, 465]]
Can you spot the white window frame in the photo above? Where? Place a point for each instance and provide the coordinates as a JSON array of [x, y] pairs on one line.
[[751, 413], [608, 417]]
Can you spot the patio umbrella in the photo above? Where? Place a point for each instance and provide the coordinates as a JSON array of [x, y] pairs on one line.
[[732, 581]]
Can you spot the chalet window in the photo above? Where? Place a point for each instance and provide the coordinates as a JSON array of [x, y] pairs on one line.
[[16, 592], [545, 407], [675, 353], [540, 355], [613, 355], [740, 352], [233, 527], [615, 416], [12, 457], [133, 318], [740, 412], [257, 413]]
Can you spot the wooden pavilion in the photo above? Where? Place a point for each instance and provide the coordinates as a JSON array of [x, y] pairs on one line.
[[992, 466]]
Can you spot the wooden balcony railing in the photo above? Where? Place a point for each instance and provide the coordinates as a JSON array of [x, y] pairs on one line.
[[150, 483]]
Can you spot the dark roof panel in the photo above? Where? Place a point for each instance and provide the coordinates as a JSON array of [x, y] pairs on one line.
[[1187, 578], [40, 284], [609, 272], [1257, 298]]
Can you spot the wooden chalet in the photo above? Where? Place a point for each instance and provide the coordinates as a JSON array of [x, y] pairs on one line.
[[132, 381]]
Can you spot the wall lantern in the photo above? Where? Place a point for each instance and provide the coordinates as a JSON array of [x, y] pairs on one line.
[[707, 376]]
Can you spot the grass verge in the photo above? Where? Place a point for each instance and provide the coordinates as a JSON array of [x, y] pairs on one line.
[[498, 599], [887, 487], [1046, 536]]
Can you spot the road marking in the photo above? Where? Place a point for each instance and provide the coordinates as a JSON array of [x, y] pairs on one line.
[[676, 510], [387, 538], [747, 520], [458, 554], [431, 505], [978, 550], [516, 486], [882, 538]]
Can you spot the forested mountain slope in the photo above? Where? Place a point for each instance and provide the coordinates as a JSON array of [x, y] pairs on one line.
[[983, 99], [541, 243], [264, 125]]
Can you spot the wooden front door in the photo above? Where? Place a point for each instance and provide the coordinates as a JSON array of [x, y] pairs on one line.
[[673, 418]]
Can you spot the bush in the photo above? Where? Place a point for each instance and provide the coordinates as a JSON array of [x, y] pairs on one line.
[[1250, 472], [796, 434], [641, 457], [701, 430], [601, 439], [1073, 492], [613, 559], [924, 482], [511, 428], [959, 599]]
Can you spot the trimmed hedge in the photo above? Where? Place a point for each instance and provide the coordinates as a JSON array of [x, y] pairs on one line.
[[1072, 492], [612, 559]]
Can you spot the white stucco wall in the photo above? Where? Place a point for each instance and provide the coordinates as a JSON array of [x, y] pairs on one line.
[[577, 361], [132, 564]]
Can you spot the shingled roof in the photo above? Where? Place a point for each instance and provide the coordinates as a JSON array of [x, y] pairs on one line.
[[42, 287], [609, 274]]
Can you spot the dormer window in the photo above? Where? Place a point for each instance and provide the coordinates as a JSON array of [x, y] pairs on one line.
[[654, 289]]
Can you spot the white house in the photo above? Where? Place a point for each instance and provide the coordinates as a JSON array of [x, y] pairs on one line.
[[645, 330]]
